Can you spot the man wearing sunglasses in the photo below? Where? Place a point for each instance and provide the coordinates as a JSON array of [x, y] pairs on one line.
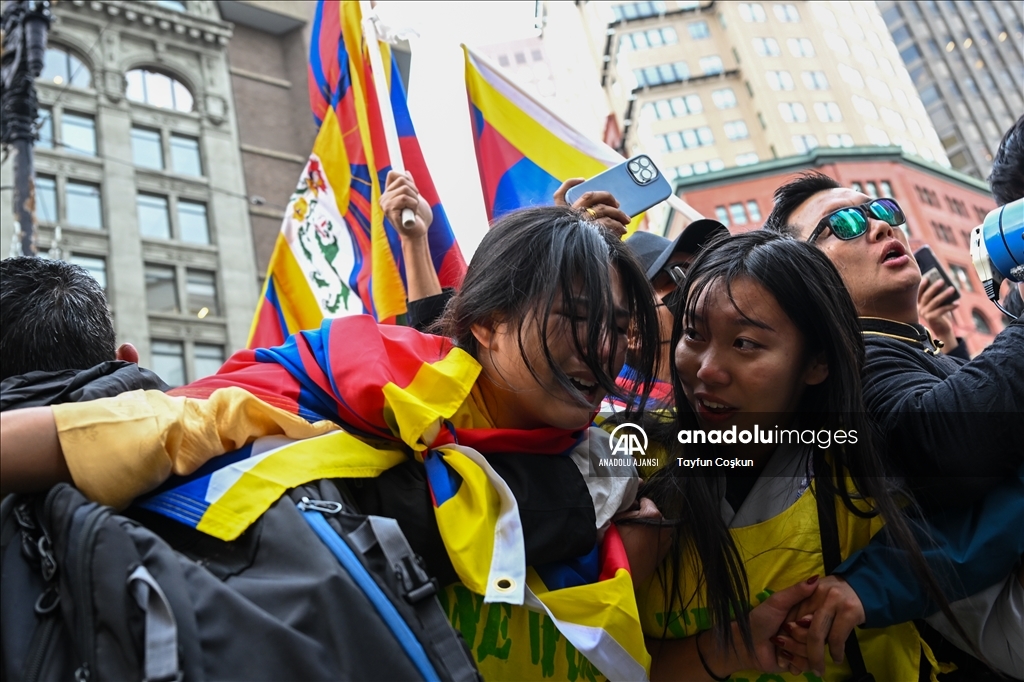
[[950, 426]]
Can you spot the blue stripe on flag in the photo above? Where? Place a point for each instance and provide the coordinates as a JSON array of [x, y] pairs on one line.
[[524, 184], [583, 570], [444, 481]]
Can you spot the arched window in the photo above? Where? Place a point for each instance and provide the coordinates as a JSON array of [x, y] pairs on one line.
[[61, 68], [980, 322], [158, 90]]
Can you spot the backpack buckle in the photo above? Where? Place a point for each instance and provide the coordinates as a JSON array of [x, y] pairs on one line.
[[418, 585]]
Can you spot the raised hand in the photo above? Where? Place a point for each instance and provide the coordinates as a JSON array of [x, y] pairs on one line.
[[935, 313], [601, 207], [400, 193], [828, 616]]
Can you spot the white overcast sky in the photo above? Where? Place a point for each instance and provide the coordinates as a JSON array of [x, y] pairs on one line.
[[437, 93]]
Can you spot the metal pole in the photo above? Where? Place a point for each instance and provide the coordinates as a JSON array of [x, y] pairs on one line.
[[26, 24]]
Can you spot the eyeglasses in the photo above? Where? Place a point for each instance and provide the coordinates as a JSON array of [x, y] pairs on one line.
[[851, 222], [669, 275]]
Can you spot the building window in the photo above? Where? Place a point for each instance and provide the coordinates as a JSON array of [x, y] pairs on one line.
[[804, 143], [698, 168], [957, 206], [786, 13], [82, 205], [686, 139], [840, 140], [865, 56], [699, 30], [752, 12], [747, 159], [169, 362], [851, 75], [864, 107], [736, 130], [878, 88], [94, 265], [638, 10], [192, 224], [753, 210], [158, 90], [676, 107], [871, 190], [161, 289], [655, 37], [944, 232], [724, 99], [78, 133], [767, 47], [147, 148], [711, 65], [185, 159], [62, 68], [827, 111], [856, 187], [154, 216], [174, 5], [815, 80], [980, 321], [780, 80], [792, 112], [886, 189], [722, 215], [738, 214], [44, 126], [201, 290], [503, 60], [800, 47], [207, 359], [836, 42], [659, 75], [961, 276], [46, 199], [910, 54]]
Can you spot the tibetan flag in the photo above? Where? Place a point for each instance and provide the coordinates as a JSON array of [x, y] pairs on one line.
[[337, 254], [523, 150]]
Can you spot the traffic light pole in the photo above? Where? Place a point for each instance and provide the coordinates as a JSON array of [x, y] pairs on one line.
[[26, 24]]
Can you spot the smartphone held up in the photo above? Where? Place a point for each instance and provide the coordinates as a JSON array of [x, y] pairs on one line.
[[636, 184]]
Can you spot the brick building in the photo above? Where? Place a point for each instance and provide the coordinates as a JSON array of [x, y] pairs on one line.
[[942, 207]]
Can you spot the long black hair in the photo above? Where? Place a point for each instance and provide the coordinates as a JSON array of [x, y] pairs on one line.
[[810, 291], [530, 259]]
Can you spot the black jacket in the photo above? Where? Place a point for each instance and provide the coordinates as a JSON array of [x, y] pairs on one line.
[[954, 428], [38, 389]]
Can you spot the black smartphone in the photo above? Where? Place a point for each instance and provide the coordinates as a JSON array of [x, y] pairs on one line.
[[932, 270], [636, 184]]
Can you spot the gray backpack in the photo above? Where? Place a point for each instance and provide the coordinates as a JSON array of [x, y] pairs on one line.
[[312, 591]]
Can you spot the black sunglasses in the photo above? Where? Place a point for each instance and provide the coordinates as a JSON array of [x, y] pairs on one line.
[[851, 222]]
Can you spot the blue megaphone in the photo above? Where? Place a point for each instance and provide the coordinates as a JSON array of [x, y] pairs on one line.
[[997, 248]]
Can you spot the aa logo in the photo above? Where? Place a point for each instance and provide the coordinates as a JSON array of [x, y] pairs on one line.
[[628, 440]]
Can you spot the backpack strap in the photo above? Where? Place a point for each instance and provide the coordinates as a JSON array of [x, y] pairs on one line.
[[828, 527], [160, 655], [420, 589]]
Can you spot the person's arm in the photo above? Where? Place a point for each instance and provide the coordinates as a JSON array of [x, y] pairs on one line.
[[424, 312], [700, 657], [400, 193], [115, 449], [944, 427]]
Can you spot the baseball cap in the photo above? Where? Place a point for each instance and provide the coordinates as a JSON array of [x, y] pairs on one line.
[[697, 234]]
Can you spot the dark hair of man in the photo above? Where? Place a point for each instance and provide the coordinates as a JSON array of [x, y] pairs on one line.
[[533, 260], [810, 291], [54, 317], [1007, 176], [788, 198]]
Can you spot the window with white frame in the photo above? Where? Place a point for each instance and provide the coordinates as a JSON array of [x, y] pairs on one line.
[[158, 90], [828, 112], [169, 361], [737, 214], [878, 88], [840, 140], [915, 127], [780, 80], [747, 159], [824, 15], [638, 10], [722, 214], [736, 130], [836, 42], [711, 65], [792, 112], [659, 75], [699, 30], [786, 13], [815, 80], [724, 98], [698, 168], [753, 210], [892, 118], [61, 67], [804, 143], [752, 12], [767, 47], [851, 75], [865, 56], [78, 133], [886, 66], [686, 139], [676, 107], [800, 47], [96, 266], [147, 148], [877, 136], [654, 37], [864, 107]]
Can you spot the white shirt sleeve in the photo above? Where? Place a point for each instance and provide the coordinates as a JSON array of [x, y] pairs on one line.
[[612, 481]]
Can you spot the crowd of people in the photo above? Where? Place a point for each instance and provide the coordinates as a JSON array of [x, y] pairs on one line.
[[888, 544]]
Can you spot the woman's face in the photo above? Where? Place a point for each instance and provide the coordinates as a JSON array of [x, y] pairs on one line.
[[515, 398], [743, 368]]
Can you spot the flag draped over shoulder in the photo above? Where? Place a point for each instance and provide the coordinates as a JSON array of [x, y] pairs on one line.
[[337, 254], [523, 150], [393, 392]]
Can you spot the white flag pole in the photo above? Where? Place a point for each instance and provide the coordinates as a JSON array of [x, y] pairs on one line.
[[380, 83]]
